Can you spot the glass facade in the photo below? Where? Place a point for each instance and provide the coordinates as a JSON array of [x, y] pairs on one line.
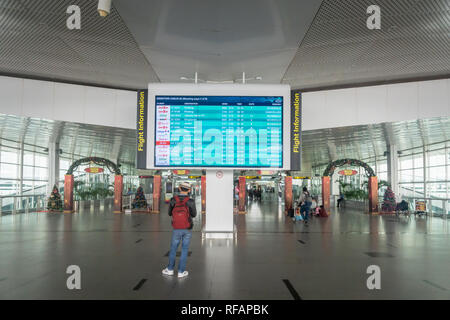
[[24, 170], [423, 168]]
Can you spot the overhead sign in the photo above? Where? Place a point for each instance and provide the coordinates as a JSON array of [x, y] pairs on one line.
[[266, 172], [296, 130], [141, 151], [94, 170], [222, 127], [181, 172], [348, 172]]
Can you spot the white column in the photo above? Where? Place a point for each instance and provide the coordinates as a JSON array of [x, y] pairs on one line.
[[392, 167], [53, 166], [219, 204]]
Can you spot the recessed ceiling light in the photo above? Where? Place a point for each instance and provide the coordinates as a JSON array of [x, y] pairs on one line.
[[104, 7]]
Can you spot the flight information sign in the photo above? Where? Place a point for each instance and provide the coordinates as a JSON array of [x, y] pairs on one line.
[[218, 131]]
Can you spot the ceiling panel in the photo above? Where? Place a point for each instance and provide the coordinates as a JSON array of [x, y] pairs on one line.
[[414, 41], [36, 42], [218, 39]]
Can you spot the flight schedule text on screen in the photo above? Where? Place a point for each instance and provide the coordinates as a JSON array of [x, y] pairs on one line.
[[219, 131]]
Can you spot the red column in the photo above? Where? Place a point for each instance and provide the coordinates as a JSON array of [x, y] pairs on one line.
[[242, 191], [373, 194], [326, 193], [287, 193], [156, 193], [118, 191], [68, 193], [203, 191]]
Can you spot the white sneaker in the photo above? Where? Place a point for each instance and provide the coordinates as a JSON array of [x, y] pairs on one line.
[[183, 274], [167, 272]]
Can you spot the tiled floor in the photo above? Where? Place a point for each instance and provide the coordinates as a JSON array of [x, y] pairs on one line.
[[116, 251]]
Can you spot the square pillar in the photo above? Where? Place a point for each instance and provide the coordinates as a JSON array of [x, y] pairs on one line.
[[287, 193], [373, 194], [68, 193], [118, 191], [53, 166], [392, 167], [242, 195], [156, 193], [326, 193], [203, 191]]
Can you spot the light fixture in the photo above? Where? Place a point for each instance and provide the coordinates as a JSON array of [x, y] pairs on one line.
[[104, 7]]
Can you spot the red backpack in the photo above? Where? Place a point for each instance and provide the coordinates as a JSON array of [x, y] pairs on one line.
[[180, 214]]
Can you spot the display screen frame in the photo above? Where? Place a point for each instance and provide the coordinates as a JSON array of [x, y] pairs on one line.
[[217, 90]]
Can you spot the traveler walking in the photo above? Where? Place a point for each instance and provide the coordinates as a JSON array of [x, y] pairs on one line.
[[305, 202]]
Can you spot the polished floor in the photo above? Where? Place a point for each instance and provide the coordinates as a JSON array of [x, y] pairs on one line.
[[121, 257]]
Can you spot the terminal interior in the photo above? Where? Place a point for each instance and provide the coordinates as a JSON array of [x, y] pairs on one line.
[[380, 98]]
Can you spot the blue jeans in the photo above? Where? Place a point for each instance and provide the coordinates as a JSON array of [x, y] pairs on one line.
[[304, 210], [183, 236]]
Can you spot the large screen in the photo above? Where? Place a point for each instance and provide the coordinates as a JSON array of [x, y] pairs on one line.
[[219, 131], [234, 126]]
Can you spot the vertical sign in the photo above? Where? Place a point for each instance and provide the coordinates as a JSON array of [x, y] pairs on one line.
[[296, 130], [141, 151]]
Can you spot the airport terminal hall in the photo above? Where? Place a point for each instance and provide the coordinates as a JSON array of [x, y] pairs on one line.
[[224, 150]]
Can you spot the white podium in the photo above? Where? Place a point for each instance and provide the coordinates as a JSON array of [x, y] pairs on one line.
[[219, 205]]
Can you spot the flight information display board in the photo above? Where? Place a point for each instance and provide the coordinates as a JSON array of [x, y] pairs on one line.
[[218, 131]]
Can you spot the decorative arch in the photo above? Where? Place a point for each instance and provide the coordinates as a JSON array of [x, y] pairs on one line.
[[373, 182], [352, 162], [69, 182], [99, 161]]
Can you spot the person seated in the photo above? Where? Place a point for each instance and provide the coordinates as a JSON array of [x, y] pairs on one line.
[[54, 201], [316, 212], [139, 199], [323, 212], [402, 206]]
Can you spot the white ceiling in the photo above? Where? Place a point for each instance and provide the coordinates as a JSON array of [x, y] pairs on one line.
[[309, 44], [218, 39]]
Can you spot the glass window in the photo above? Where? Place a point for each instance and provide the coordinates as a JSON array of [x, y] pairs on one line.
[[40, 160], [40, 173], [9, 155], [28, 159], [406, 175], [438, 190], [436, 174], [64, 164], [406, 163], [8, 187], [418, 161], [28, 172], [9, 171], [436, 158], [418, 175]]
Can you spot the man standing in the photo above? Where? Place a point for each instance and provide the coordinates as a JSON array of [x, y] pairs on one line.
[[182, 210]]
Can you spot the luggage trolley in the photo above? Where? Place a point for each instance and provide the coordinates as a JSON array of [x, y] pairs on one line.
[[421, 208]]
